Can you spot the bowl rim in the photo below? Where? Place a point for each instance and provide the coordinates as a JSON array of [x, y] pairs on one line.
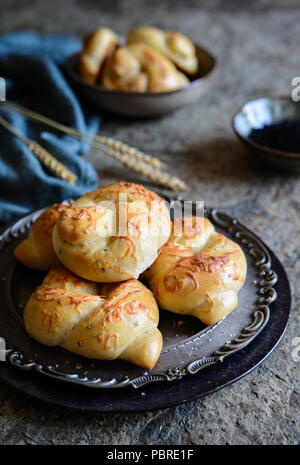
[[68, 66], [260, 147]]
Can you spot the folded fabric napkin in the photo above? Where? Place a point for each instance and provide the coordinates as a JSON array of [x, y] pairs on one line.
[[31, 67]]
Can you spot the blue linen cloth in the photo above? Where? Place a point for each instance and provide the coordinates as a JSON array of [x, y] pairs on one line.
[[30, 65]]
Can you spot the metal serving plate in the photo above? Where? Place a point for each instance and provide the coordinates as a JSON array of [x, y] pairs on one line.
[[188, 347]]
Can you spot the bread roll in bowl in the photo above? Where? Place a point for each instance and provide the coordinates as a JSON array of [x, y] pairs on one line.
[[112, 321], [36, 251], [198, 272], [175, 46], [141, 68], [97, 47], [113, 233]]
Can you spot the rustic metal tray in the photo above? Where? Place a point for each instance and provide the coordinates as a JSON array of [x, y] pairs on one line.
[[188, 347]]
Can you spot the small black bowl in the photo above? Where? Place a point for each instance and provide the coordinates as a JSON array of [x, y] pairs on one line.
[[257, 113]]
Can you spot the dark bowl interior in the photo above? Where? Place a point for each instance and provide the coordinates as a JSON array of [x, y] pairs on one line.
[[257, 113]]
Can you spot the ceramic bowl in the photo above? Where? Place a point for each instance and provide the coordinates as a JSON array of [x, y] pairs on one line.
[[265, 111], [144, 104]]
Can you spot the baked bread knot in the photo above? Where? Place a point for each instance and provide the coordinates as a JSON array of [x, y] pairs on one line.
[[113, 233], [116, 321], [140, 68], [97, 47], [36, 251], [198, 272], [175, 46]]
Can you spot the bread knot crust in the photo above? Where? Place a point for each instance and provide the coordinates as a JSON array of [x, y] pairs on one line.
[[103, 322], [204, 262], [48, 219], [113, 233], [76, 222], [139, 67], [173, 45], [97, 47], [180, 44], [198, 271], [192, 226], [36, 251]]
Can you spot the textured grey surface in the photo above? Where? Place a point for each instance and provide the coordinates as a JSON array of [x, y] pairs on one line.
[[258, 54]]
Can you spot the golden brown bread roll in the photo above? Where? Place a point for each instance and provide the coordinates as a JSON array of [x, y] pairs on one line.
[[198, 272], [141, 68], [36, 251], [175, 46], [97, 47], [113, 233], [115, 321]]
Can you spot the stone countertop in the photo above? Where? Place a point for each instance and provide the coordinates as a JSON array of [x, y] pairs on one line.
[[257, 55]]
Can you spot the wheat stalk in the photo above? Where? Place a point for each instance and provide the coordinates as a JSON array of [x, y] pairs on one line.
[[155, 175], [130, 151], [114, 144], [52, 163], [43, 155], [130, 157]]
